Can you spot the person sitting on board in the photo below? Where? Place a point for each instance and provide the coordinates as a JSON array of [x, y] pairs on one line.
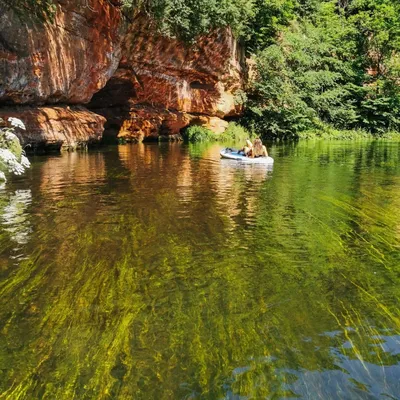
[[247, 148], [257, 149]]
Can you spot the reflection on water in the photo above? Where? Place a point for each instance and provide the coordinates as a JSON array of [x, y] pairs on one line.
[[15, 219], [163, 272]]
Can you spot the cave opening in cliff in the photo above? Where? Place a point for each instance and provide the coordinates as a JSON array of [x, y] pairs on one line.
[[201, 85]]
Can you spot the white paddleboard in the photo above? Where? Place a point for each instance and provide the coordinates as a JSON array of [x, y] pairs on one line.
[[231, 154]]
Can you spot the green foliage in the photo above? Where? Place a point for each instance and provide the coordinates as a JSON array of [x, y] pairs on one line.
[[196, 133], [187, 19], [255, 22], [327, 132], [240, 97], [307, 8], [235, 133], [268, 17], [333, 64], [380, 110], [377, 25]]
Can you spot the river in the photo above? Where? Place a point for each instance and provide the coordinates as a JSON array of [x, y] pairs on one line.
[[162, 272]]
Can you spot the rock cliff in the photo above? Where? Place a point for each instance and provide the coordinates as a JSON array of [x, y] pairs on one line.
[[147, 86], [163, 84], [56, 128], [64, 62]]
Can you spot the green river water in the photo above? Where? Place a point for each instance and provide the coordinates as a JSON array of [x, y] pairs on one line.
[[162, 272]]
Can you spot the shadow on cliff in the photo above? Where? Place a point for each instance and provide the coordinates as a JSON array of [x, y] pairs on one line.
[[113, 103]]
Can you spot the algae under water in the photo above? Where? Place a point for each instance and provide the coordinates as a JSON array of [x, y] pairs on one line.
[[162, 272]]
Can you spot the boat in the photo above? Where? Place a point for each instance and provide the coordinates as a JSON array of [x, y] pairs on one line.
[[232, 154]]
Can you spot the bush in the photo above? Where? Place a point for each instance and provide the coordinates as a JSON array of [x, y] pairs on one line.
[[328, 132], [12, 157], [331, 133], [236, 133], [196, 133]]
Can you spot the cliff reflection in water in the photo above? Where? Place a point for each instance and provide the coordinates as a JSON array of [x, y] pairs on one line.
[[197, 173], [159, 272]]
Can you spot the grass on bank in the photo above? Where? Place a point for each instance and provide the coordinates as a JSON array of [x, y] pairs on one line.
[[233, 133], [238, 133], [329, 133]]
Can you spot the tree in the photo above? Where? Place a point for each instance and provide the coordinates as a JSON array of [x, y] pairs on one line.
[[187, 19], [304, 77], [338, 64]]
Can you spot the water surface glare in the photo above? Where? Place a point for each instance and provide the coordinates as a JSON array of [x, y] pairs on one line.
[[163, 272]]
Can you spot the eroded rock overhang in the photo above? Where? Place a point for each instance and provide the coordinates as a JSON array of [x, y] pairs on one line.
[[90, 62]]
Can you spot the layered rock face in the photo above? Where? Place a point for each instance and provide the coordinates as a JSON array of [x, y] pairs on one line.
[[56, 128], [65, 62], [162, 84], [147, 86]]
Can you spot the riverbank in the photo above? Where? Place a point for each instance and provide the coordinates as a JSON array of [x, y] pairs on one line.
[[329, 133], [236, 132]]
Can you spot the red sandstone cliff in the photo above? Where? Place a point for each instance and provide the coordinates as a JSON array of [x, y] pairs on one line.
[[163, 84], [146, 85], [62, 62], [65, 62], [55, 128]]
